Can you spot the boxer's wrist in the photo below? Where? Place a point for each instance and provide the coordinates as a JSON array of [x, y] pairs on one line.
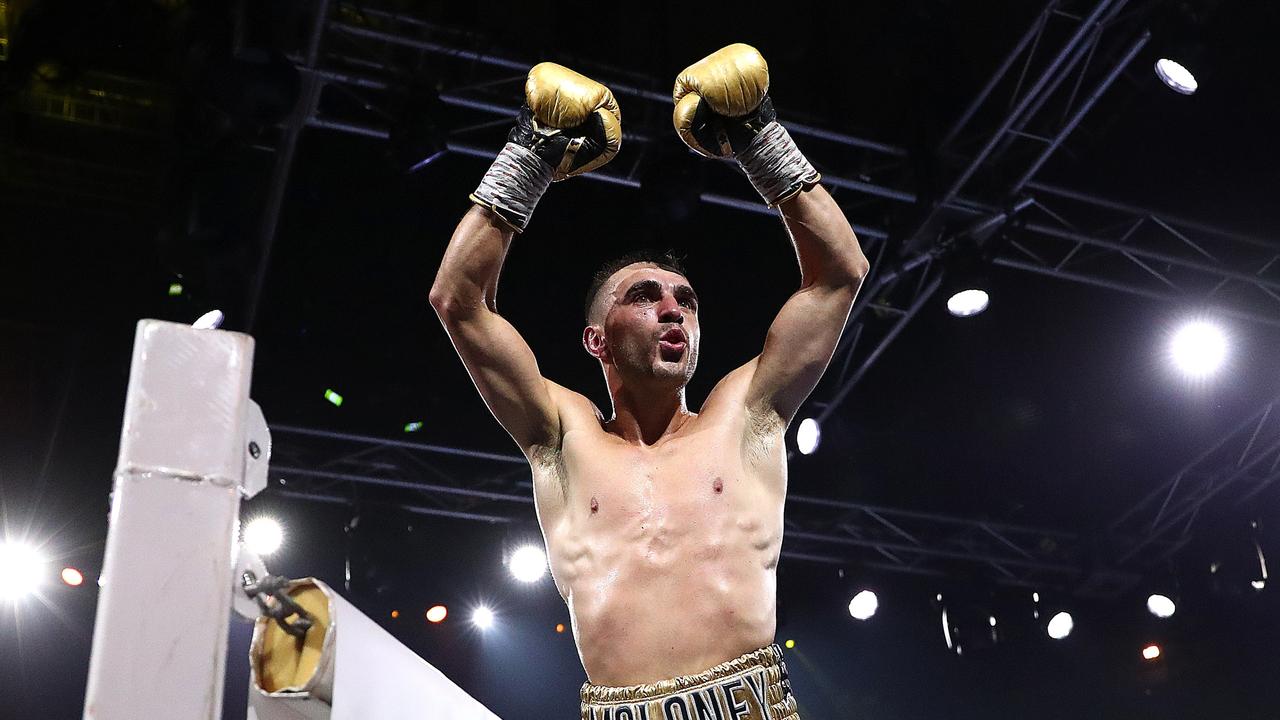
[[513, 185], [776, 167]]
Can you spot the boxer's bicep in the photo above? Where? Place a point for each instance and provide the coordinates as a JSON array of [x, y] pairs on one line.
[[798, 348], [506, 373]]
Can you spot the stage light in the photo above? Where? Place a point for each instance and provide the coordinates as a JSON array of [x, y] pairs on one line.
[[1257, 584], [790, 644], [1151, 652], [333, 397], [808, 435], [482, 617], [864, 605], [22, 570], [175, 289], [263, 536], [211, 320], [437, 614], [1161, 606], [72, 576], [412, 426], [528, 563], [1198, 348], [559, 627], [968, 302], [395, 614], [1178, 78], [1060, 625]]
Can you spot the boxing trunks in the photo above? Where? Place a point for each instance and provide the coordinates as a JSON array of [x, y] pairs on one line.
[[751, 687]]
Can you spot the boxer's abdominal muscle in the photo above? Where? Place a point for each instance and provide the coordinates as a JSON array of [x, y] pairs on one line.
[[666, 556]]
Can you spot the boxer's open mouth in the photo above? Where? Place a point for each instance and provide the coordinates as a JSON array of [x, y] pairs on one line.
[[672, 344]]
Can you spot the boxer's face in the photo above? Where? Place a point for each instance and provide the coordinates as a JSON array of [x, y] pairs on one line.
[[649, 319]]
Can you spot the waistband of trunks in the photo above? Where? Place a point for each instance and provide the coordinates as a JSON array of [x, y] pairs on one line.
[[769, 657]]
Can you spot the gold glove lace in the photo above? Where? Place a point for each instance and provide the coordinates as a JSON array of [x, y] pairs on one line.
[[514, 184], [775, 166]]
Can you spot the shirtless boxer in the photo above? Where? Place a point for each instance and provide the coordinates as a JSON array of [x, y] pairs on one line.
[[663, 526]]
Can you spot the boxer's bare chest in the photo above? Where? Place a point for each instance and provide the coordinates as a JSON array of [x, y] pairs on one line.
[[705, 496]]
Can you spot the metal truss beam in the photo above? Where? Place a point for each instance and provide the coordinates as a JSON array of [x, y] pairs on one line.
[[1246, 459], [445, 481]]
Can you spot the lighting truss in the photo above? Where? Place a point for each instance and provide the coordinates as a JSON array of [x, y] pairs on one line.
[[446, 481], [355, 65]]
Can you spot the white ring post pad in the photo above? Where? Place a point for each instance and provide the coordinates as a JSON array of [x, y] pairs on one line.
[[364, 673], [160, 637]]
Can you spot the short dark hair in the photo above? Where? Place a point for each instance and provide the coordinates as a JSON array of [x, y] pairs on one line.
[[665, 259]]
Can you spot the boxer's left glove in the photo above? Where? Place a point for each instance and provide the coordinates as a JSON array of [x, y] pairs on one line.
[[569, 125], [723, 110]]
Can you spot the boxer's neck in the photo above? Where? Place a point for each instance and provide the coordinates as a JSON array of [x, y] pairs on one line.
[[646, 415]]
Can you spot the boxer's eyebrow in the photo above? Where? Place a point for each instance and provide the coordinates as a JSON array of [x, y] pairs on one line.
[[684, 292], [644, 286]]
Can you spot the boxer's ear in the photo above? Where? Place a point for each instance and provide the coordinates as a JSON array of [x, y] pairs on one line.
[[593, 342]]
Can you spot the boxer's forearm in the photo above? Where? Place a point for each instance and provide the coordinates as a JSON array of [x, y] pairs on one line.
[[467, 281], [826, 246]]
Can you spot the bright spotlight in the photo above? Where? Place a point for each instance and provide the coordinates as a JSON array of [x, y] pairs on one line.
[[22, 570], [482, 617], [263, 536], [1161, 606], [1198, 348], [528, 563], [437, 614], [864, 605], [1060, 625], [1178, 78], [72, 576], [808, 435], [1151, 652], [967, 303], [211, 320], [1258, 584]]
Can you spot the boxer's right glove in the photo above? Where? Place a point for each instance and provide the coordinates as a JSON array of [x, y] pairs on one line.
[[569, 125], [723, 110]]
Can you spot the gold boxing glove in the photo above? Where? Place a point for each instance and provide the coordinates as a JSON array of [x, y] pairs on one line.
[[573, 122], [722, 101], [723, 110], [569, 125]]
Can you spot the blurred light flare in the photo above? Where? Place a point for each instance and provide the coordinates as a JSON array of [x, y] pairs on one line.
[[808, 436], [864, 605], [1176, 77], [482, 617], [1198, 348], [23, 569], [211, 320], [1161, 606], [263, 535], [1151, 652], [437, 614], [72, 577], [1060, 625], [968, 303], [528, 563]]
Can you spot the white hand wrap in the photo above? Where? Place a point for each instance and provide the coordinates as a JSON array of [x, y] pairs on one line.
[[514, 184], [776, 167]]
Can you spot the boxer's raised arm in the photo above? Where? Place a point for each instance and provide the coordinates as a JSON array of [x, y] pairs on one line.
[[569, 125], [804, 334], [498, 359], [723, 109]]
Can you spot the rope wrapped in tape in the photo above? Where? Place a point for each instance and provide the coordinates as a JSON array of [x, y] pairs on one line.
[[514, 184], [775, 166]]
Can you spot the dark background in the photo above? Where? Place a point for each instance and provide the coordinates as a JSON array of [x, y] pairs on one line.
[[1054, 408]]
